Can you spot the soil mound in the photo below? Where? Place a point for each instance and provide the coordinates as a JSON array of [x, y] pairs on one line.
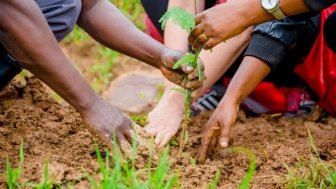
[[55, 133]]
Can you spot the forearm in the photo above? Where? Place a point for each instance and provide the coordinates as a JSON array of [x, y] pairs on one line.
[[39, 51], [105, 23], [255, 14], [174, 36], [250, 73], [218, 61]]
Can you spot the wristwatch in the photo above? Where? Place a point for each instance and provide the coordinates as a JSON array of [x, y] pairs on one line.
[[273, 7]]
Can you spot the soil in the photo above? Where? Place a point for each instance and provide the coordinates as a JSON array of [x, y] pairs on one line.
[[55, 133]]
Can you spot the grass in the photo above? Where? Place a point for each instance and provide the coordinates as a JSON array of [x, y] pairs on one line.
[[312, 173], [115, 170], [251, 168]]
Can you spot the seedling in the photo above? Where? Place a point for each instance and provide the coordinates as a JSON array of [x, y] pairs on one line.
[[186, 21]]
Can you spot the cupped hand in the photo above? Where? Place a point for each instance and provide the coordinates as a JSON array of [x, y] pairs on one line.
[[217, 129], [217, 24], [106, 121], [186, 77]]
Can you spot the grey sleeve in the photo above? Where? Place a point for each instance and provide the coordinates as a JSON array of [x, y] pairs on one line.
[[61, 15]]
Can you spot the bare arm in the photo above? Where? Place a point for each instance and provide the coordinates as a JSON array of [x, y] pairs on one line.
[[229, 19], [105, 23], [250, 73], [26, 35]]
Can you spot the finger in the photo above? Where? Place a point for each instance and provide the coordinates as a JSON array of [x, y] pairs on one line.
[[200, 40], [120, 137], [124, 146], [206, 140], [194, 74], [224, 138], [165, 140], [212, 42], [158, 139], [186, 68], [196, 92], [195, 84], [151, 130], [195, 33], [128, 133], [213, 144], [172, 76], [198, 18]]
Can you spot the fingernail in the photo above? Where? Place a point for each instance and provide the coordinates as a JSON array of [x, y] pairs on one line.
[[224, 142], [188, 68]]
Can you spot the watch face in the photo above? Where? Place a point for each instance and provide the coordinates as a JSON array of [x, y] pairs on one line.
[[269, 4]]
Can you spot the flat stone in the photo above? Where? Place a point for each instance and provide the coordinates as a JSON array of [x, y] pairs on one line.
[[134, 92]]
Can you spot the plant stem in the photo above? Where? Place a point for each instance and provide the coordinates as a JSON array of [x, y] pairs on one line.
[[187, 103], [187, 95]]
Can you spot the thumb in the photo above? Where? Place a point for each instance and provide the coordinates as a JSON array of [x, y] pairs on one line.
[[224, 137]]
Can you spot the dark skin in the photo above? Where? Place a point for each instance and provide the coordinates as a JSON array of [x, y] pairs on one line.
[[215, 25], [249, 74], [26, 35]]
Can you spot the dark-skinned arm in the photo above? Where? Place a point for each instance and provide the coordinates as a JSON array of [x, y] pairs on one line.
[[216, 23], [105, 23], [250, 73], [26, 35]]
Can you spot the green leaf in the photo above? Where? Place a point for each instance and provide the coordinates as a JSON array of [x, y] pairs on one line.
[[179, 16], [186, 59]]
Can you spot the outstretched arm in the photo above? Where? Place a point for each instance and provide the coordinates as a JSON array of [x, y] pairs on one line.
[[250, 73], [105, 23], [26, 35], [229, 19]]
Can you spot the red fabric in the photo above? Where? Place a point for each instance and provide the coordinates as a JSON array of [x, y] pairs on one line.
[[319, 69], [221, 1], [152, 31], [268, 95]]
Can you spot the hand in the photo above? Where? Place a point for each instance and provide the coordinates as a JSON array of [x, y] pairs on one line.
[[218, 24], [105, 121], [186, 76], [218, 128]]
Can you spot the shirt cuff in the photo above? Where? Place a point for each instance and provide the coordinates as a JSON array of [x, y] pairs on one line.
[[267, 49]]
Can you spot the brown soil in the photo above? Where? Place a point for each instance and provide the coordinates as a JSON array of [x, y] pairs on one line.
[[56, 133]]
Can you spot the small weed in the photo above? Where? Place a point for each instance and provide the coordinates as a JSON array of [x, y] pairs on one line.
[[124, 174], [13, 174], [313, 173], [45, 183], [251, 168], [213, 185]]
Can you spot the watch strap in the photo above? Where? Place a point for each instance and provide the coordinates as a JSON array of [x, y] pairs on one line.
[[278, 14]]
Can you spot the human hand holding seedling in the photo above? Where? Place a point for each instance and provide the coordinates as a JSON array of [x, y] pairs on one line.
[[183, 74], [186, 21]]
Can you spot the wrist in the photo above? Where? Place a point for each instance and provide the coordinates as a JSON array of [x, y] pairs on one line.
[[253, 13], [87, 105]]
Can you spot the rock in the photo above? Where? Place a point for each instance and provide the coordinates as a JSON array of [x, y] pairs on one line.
[[134, 92]]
